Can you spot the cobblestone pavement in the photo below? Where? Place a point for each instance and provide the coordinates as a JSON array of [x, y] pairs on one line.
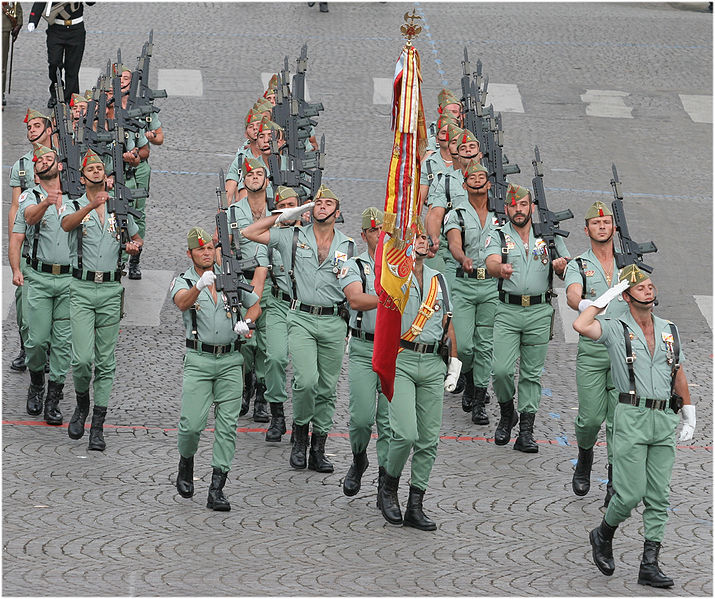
[[83, 523]]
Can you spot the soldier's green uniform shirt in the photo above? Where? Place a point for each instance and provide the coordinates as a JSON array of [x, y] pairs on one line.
[[643, 438], [23, 164], [210, 378], [213, 326], [95, 308], [316, 342], [52, 245], [474, 299], [46, 296], [100, 248], [522, 331], [530, 276], [433, 165], [597, 397], [364, 382], [438, 196], [239, 217], [416, 406], [316, 284]]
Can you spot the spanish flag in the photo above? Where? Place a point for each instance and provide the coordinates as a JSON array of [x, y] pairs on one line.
[[394, 256]]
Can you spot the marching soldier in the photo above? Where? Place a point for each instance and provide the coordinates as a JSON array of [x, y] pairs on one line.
[[416, 407], [96, 296], [475, 297], [22, 178], [65, 42], [448, 104], [275, 303], [646, 369], [253, 207], [316, 330], [212, 367], [437, 162], [358, 282], [47, 284], [522, 325], [589, 276], [249, 149]]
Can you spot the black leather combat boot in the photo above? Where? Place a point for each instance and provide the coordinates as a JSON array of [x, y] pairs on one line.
[[610, 491], [300, 446], [380, 483], [650, 573], [135, 272], [601, 538], [259, 405], [53, 415], [316, 458], [185, 478], [18, 364], [525, 441], [96, 431], [217, 500], [249, 386], [277, 427], [414, 515], [389, 504], [351, 484], [581, 482], [479, 414], [35, 393], [468, 395], [507, 421], [75, 430]]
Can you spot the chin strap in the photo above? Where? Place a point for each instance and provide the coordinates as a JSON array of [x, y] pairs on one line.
[[654, 301], [322, 220]]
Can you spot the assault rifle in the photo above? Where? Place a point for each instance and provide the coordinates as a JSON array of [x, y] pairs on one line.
[[231, 280], [473, 100], [631, 252], [140, 104], [67, 150], [121, 204], [98, 140], [546, 224]]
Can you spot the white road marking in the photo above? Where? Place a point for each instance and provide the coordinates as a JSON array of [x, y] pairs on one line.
[[181, 82], [88, 78], [144, 299], [705, 303], [607, 103], [699, 108], [382, 90], [505, 97], [266, 77]]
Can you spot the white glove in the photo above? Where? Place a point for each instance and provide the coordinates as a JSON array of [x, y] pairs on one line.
[[31, 27], [583, 304], [453, 370], [207, 279], [612, 293], [241, 329], [688, 423], [293, 213]]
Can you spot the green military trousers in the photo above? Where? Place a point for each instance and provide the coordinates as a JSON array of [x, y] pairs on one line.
[[316, 345], [365, 410], [21, 322], [211, 379], [141, 180], [276, 348], [94, 314], [47, 299], [475, 303], [597, 397], [254, 350], [416, 415], [643, 457], [520, 332]]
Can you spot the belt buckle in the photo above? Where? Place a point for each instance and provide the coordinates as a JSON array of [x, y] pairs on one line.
[[659, 404], [293, 304], [56, 269], [426, 311], [99, 277], [421, 348], [219, 349], [315, 310], [525, 301], [481, 273], [68, 22]]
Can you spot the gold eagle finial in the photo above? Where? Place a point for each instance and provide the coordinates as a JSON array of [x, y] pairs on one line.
[[409, 30]]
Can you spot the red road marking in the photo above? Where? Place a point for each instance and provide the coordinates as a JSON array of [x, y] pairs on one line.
[[334, 435]]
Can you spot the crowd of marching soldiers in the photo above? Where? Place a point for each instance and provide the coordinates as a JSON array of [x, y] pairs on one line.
[[483, 267]]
